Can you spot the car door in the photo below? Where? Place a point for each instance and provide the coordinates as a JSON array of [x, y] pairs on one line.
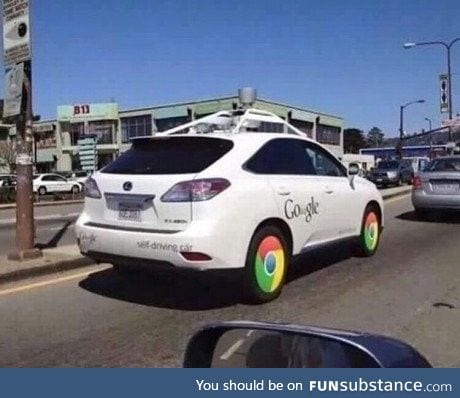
[[285, 166], [62, 184], [341, 206]]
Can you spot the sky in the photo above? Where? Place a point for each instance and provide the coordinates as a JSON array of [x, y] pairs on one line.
[[340, 57]]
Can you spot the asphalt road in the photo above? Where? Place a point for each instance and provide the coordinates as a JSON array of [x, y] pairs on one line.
[[406, 290]]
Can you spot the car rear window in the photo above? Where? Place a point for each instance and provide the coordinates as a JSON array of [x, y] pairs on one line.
[[447, 164], [388, 165], [170, 155]]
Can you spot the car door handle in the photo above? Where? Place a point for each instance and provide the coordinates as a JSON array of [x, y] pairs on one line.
[[283, 191], [328, 190]]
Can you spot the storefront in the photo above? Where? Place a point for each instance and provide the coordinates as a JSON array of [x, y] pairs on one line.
[[76, 122]]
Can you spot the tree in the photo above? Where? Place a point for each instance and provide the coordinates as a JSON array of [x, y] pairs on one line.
[[375, 137], [353, 140], [8, 153]]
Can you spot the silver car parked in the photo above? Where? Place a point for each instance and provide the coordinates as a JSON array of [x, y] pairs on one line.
[[437, 187]]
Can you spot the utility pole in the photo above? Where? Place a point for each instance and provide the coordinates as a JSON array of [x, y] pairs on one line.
[[17, 58], [448, 47], [25, 229]]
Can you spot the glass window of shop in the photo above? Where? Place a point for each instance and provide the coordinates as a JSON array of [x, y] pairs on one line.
[[303, 126], [328, 134], [171, 122], [135, 126], [77, 131], [103, 130]]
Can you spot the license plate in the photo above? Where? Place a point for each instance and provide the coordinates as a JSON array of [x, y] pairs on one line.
[[379, 180], [446, 187], [129, 213]]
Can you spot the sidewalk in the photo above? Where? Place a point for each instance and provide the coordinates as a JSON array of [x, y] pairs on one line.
[[68, 257], [59, 259]]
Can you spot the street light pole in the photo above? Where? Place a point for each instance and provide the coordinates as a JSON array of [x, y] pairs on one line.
[[448, 47], [431, 135], [429, 122], [401, 125]]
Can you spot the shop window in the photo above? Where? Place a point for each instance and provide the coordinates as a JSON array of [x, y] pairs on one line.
[[135, 126], [328, 134], [103, 131], [171, 122], [77, 131], [303, 126]]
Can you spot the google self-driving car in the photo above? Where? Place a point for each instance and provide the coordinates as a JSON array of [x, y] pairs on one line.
[[239, 190]]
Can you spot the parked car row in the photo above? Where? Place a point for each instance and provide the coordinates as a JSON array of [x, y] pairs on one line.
[[47, 183]]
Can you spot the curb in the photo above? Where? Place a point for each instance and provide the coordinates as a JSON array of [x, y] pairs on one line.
[[395, 194], [44, 204], [53, 267]]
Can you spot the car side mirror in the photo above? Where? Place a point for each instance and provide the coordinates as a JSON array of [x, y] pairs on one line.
[[353, 169], [268, 345]]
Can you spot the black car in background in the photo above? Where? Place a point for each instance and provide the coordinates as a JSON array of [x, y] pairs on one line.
[[392, 172]]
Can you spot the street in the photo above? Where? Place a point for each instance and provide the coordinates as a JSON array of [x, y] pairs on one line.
[[408, 290]]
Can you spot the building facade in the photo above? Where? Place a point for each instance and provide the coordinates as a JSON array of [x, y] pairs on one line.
[[56, 147]]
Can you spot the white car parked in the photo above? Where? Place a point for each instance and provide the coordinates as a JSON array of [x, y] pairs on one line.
[[235, 190], [54, 183]]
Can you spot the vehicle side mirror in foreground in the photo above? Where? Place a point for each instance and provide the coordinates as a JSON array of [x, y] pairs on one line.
[[353, 169], [267, 345]]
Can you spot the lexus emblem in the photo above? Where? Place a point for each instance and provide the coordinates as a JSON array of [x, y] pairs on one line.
[[127, 186]]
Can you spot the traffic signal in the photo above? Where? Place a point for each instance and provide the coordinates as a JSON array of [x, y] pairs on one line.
[[444, 86]]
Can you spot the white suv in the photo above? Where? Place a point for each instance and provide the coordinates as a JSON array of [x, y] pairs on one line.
[[223, 193]]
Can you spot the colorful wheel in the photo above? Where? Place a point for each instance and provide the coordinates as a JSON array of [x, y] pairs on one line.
[[370, 232], [269, 263], [266, 265]]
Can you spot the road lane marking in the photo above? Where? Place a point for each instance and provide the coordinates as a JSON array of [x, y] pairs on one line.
[[47, 282], [227, 354]]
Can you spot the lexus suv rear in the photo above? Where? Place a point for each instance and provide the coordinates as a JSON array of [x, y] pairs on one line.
[[244, 201]]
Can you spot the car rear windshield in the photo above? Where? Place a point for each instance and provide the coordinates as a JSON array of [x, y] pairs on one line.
[[388, 165], [170, 155], [447, 164]]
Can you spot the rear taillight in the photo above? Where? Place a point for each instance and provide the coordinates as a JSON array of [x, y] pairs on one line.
[[416, 183], [91, 189], [195, 256], [195, 190]]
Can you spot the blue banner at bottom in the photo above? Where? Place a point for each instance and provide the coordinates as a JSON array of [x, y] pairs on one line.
[[190, 383]]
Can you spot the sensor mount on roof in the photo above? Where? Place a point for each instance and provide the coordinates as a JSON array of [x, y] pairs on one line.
[[247, 97]]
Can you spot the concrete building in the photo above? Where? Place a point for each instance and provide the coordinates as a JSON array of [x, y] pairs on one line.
[[56, 140]]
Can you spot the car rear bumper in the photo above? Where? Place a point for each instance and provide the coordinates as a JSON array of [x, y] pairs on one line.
[[422, 200], [109, 244]]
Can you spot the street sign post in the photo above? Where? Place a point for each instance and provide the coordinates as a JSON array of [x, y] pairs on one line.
[[17, 56], [16, 31], [444, 88], [87, 153]]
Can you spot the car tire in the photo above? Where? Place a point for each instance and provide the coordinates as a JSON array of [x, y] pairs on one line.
[[75, 190], [266, 265], [371, 229], [42, 191]]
